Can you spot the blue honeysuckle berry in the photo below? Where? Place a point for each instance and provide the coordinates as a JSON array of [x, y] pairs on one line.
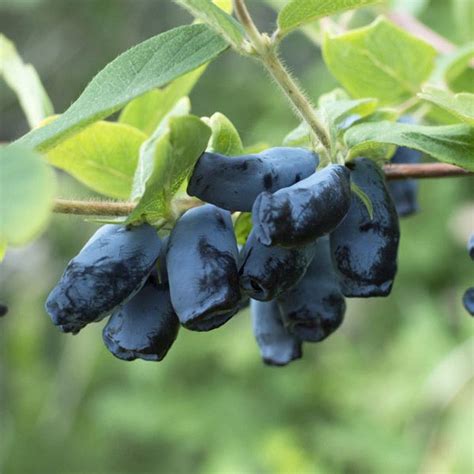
[[301, 213], [314, 308], [365, 249], [111, 267], [266, 272], [233, 183], [277, 346], [202, 268]]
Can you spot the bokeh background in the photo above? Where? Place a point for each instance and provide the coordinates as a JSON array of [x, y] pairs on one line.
[[391, 392]]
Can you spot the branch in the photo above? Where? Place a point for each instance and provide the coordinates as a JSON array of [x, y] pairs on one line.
[[392, 172], [424, 171], [266, 52]]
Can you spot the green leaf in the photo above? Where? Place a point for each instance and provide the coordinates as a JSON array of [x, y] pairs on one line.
[[463, 12], [216, 18], [458, 71], [24, 81], [150, 64], [225, 139], [299, 136], [147, 150], [3, 248], [225, 5], [175, 153], [364, 198], [337, 112], [147, 111], [460, 105], [380, 60], [300, 12], [27, 187], [243, 227], [103, 156], [449, 143]]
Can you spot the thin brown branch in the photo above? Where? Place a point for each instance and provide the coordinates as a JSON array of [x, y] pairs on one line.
[[392, 172], [424, 171]]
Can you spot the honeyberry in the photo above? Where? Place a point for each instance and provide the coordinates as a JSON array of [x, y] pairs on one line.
[[365, 248], [202, 268], [314, 308], [110, 268], [299, 214], [233, 183], [277, 346], [145, 327]]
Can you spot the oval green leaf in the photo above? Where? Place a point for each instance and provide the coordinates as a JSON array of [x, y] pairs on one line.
[[452, 144], [225, 138], [103, 156], [380, 60], [27, 187], [297, 13], [151, 64]]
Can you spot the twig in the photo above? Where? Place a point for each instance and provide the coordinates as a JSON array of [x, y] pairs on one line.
[[266, 53], [424, 171], [392, 172]]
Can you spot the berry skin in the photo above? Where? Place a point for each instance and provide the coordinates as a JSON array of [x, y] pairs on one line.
[[315, 307], [365, 250], [301, 213], [468, 301], [266, 272], [145, 327], [107, 272], [233, 183], [3, 309], [277, 346], [470, 246], [202, 268], [404, 192]]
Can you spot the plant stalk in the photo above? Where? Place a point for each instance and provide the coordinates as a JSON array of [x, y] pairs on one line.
[[265, 50]]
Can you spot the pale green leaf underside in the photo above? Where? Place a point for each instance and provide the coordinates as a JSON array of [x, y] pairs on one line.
[[380, 61], [151, 64], [224, 139], [216, 18], [450, 143], [148, 149], [176, 153], [300, 12], [147, 111], [460, 105], [24, 81], [103, 156], [27, 187]]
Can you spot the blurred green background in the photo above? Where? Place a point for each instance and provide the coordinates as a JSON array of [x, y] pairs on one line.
[[391, 392]]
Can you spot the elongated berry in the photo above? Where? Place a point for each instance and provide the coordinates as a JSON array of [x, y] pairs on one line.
[[365, 249], [277, 346], [145, 327], [301, 213], [202, 268], [314, 308], [234, 182], [111, 267], [266, 272]]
